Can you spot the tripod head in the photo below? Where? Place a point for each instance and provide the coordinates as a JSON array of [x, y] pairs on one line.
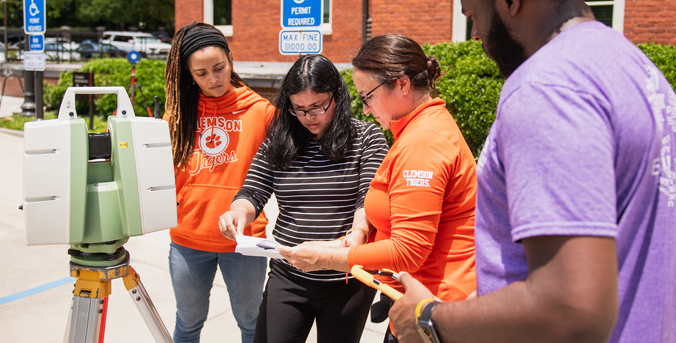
[[94, 191]]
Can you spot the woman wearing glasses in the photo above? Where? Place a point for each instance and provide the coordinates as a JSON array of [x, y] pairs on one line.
[[422, 198], [318, 161]]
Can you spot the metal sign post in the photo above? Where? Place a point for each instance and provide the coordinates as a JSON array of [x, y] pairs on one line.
[[35, 24], [300, 20], [35, 61]]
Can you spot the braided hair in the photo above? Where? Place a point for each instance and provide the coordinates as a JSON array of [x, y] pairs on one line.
[[182, 92]]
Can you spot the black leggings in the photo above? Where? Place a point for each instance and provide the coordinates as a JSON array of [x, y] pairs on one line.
[[291, 304]]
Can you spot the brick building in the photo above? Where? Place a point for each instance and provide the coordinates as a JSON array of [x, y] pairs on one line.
[[252, 27]]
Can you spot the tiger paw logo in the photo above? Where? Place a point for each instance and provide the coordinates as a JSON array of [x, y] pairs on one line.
[[213, 141], [211, 152]]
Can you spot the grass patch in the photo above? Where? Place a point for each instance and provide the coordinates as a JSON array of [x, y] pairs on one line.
[[16, 122]]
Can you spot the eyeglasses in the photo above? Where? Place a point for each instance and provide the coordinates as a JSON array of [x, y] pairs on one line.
[[367, 95], [313, 112]]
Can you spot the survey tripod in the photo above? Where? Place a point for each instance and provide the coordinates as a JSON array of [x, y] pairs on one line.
[[90, 298]]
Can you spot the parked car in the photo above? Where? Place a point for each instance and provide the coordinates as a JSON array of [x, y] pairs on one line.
[[137, 41], [52, 50], [66, 44], [89, 49], [163, 36]]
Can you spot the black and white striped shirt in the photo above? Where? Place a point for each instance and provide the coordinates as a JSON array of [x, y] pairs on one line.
[[317, 197]]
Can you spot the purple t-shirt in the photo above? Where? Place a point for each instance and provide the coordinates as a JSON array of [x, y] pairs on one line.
[[584, 143]]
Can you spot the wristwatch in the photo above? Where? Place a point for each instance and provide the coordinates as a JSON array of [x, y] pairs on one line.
[[423, 316]]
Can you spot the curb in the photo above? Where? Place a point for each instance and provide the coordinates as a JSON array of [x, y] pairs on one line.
[[17, 133]]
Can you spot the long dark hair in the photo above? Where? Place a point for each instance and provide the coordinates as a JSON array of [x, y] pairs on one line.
[[182, 93], [287, 136], [390, 56]]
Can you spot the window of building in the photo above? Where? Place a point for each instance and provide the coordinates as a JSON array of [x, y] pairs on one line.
[[326, 28], [222, 12], [219, 14], [609, 12]]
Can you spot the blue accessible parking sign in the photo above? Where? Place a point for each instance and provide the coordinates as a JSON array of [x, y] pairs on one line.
[[34, 16], [302, 13], [36, 42]]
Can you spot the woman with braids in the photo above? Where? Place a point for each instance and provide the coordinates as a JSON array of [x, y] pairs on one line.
[[318, 161], [422, 198], [217, 124]]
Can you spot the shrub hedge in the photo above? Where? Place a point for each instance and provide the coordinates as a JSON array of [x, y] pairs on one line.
[[664, 57], [114, 72], [470, 85]]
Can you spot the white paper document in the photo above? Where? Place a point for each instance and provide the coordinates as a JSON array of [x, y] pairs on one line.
[[254, 246]]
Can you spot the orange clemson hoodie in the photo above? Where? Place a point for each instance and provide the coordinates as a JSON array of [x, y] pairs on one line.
[[229, 131]]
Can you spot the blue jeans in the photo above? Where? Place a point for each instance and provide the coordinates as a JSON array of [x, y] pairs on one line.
[[192, 276]]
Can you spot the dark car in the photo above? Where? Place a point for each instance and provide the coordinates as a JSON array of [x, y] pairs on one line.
[[89, 49], [163, 36]]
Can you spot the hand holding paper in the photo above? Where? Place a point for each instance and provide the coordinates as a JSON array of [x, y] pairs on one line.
[[255, 246]]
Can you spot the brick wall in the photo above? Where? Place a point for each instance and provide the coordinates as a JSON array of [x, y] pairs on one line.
[[425, 21], [650, 21], [13, 88], [187, 11], [268, 93], [256, 26]]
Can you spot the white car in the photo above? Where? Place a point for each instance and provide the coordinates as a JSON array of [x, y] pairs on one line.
[[136, 41]]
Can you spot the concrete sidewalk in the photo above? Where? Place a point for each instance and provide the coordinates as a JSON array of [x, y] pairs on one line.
[[36, 289]]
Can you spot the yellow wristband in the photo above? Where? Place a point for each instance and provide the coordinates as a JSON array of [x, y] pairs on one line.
[[421, 303]]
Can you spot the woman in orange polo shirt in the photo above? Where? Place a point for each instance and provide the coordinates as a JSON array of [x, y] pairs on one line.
[[422, 198]]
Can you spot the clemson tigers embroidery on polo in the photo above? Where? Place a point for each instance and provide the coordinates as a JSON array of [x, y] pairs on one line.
[[418, 178]]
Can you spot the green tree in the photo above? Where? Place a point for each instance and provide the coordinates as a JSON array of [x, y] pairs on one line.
[[92, 13]]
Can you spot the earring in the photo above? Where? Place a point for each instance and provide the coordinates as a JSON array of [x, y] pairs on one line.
[[193, 82]]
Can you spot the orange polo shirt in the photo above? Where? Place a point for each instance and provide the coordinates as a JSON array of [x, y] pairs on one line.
[[229, 131], [421, 202]]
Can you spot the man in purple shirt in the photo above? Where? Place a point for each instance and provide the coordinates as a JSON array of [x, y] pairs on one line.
[[576, 199]]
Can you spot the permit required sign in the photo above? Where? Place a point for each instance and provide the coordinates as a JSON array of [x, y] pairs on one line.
[[302, 13], [294, 42], [34, 16]]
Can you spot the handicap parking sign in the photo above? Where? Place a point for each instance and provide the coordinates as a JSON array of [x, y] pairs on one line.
[[36, 42], [34, 16], [302, 13]]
